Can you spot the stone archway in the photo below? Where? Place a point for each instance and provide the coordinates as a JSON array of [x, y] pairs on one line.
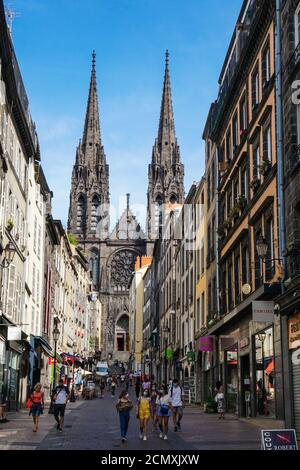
[[122, 333]]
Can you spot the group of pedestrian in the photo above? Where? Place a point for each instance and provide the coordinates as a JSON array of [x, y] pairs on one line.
[[36, 404], [157, 403]]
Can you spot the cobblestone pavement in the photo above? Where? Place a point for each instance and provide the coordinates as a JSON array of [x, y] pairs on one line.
[[94, 425]]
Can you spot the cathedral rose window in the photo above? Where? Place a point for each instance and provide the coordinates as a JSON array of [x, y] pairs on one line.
[[122, 267]]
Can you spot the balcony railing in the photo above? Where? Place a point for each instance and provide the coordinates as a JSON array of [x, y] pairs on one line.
[[295, 59]]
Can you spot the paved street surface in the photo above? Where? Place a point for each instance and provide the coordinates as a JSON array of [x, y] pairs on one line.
[[94, 425]]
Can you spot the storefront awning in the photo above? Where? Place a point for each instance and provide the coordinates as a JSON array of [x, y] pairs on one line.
[[44, 345]]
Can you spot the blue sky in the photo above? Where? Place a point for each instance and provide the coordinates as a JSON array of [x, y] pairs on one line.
[[54, 40]]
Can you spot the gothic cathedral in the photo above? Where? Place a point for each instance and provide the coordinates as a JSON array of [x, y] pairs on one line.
[[112, 254]]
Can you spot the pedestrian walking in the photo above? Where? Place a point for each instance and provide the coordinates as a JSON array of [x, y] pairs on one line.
[[146, 385], [108, 382], [137, 387], [220, 400], [102, 388], [143, 413], [176, 394], [37, 407], [113, 387], [124, 405], [153, 407], [61, 396], [164, 412]]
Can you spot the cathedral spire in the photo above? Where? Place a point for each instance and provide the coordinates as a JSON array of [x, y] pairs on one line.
[[166, 131], [91, 134]]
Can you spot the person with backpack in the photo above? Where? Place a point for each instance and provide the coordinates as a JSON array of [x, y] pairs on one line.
[[61, 396], [164, 412], [176, 394]]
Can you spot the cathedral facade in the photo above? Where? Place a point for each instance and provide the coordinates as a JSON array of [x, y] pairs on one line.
[[112, 254]]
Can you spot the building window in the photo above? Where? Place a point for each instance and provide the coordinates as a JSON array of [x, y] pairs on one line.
[[236, 190], [267, 143], [244, 182], [256, 160], [245, 266], [94, 213], [228, 145], [270, 271], [202, 256], [202, 310], [266, 67], [235, 132], [94, 268], [230, 297], [297, 26], [243, 116], [255, 88], [81, 212], [237, 283], [198, 314]]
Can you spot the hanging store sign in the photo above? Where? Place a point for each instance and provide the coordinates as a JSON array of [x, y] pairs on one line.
[[263, 311], [191, 356], [206, 343], [279, 439], [294, 331], [169, 353], [14, 333]]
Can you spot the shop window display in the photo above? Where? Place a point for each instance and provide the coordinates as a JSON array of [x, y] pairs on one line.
[[232, 380], [265, 378]]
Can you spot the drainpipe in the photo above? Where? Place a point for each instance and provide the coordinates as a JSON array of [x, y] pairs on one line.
[[286, 388], [279, 137]]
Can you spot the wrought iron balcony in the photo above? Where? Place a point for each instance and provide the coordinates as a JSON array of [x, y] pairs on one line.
[[295, 59]]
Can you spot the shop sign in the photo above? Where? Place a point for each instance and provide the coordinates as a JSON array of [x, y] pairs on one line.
[[51, 361], [244, 343], [279, 439], [206, 343], [14, 333], [191, 356], [169, 353], [263, 311], [294, 331]]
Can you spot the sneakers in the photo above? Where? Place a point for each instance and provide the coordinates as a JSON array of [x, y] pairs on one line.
[[144, 438], [179, 426], [123, 439], [175, 428], [60, 430], [141, 435], [161, 435], [165, 438], [58, 426]]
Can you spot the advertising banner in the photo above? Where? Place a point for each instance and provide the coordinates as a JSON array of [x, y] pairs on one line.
[[294, 331], [206, 343], [263, 311]]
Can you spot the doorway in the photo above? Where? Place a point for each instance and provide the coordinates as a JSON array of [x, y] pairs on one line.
[[245, 386]]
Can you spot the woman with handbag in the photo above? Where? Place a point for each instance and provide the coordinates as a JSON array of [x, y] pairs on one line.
[[164, 412], [37, 407], [124, 405]]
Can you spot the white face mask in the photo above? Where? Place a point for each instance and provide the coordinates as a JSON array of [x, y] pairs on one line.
[[145, 394]]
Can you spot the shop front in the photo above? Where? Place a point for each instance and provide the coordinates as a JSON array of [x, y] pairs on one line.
[[294, 357], [231, 376], [2, 368]]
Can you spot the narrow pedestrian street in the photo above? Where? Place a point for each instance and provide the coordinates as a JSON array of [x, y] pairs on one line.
[[94, 425]]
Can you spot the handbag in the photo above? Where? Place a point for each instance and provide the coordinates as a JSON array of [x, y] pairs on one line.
[[29, 403], [164, 410]]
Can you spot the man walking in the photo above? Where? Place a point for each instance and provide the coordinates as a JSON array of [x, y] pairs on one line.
[[61, 396], [176, 394]]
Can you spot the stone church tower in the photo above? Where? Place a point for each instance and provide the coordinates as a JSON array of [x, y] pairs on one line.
[[166, 172], [111, 255]]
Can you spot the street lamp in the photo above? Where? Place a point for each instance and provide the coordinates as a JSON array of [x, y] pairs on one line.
[[9, 253], [262, 247], [55, 334], [261, 337], [72, 399]]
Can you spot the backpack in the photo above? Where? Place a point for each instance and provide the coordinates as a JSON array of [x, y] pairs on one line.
[[172, 391]]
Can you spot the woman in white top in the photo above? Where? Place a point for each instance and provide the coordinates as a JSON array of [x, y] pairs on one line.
[[164, 412]]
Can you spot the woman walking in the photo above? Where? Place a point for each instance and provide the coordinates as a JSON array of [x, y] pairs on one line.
[[124, 405], [153, 407], [143, 413], [164, 412], [37, 398], [220, 399]]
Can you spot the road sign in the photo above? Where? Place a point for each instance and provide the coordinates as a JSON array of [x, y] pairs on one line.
[[279, 439]]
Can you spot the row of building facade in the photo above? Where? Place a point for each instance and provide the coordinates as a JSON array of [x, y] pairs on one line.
[[44, 278], [221, 293]]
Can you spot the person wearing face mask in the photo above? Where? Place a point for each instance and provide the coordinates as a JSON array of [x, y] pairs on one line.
[[164, 412], [143, 413], [176, 394], [124, 405]]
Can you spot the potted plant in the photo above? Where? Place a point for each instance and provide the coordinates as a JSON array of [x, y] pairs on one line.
[[255, 183], [264, 166], [234, 212], [242, 202], [10, 224], [227, 223]]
